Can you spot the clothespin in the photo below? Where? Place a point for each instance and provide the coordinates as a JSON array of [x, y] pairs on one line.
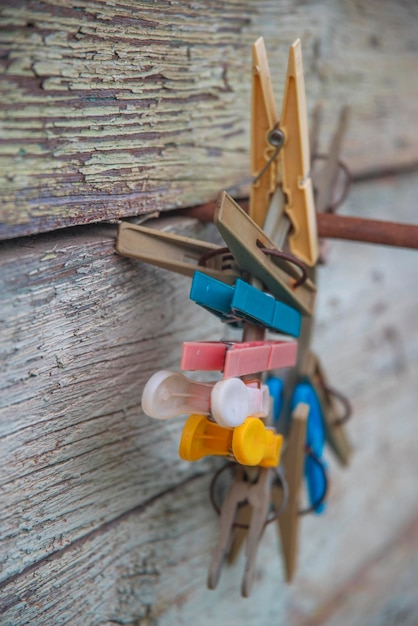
[[325, 181], [257, 254], [336, 434], [250, 443], [238, 358], [234, 304], [301, 456], [230, 401], [169, 394], [284, 143], [293, 462], [314, 470], [258, 496], [175, 252]]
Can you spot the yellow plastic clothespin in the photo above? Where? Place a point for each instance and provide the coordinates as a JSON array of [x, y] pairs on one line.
[[284, 144], [251, 443]]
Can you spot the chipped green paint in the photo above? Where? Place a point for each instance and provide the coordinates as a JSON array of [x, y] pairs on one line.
[[114, 109]]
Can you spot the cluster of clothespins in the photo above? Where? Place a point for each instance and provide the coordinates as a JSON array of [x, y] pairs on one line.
[[272, 411]]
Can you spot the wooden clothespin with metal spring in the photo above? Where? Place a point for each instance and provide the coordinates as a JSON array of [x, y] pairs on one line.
[[253, 490], [283, 145]]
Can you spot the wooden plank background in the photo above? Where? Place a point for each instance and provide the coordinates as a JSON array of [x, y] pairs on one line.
[[101, 523]]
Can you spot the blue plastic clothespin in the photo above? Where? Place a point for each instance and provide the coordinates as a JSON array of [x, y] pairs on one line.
[[214, 296], [234, 304]]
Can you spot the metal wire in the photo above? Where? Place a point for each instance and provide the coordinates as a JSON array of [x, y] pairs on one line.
[[286, 256], [212, 253], [275, 138], [344, 401], [276, 513]]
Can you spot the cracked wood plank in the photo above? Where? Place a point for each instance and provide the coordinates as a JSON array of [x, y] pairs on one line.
[[82, 330], [101, 522], [115, 109]]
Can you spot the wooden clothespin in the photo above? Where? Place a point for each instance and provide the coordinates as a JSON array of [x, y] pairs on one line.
[[293, 461], [257, 495], [257, 254], [174, 252], [336, 434], [284, 144], [325, 181], [308, 365]]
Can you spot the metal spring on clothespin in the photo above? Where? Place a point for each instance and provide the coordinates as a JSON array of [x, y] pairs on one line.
[[275, 138]]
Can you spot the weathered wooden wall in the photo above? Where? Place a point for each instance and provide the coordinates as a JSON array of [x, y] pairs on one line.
[[112, 109], [101, 523]]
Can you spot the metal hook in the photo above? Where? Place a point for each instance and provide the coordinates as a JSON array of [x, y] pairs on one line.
[[286, 257], [344, 401]]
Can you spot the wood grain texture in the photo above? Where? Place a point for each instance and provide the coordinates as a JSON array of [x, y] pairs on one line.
[[100, 520], [82, 330], [114, 109]]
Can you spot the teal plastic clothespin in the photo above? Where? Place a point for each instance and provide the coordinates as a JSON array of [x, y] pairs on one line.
[[234, 304]]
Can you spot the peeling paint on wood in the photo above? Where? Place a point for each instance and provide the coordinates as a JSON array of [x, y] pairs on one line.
[[114, 109]]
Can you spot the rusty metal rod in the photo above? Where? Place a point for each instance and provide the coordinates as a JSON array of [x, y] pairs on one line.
[[332, 226]]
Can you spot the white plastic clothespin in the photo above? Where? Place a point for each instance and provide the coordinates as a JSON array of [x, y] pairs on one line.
[[230, 401]]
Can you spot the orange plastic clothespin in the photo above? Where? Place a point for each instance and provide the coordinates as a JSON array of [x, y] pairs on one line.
[[284, 144]]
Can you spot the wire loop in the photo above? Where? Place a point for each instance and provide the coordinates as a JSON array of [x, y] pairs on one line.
[[276, 513], [286, 257], [345, 403]]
